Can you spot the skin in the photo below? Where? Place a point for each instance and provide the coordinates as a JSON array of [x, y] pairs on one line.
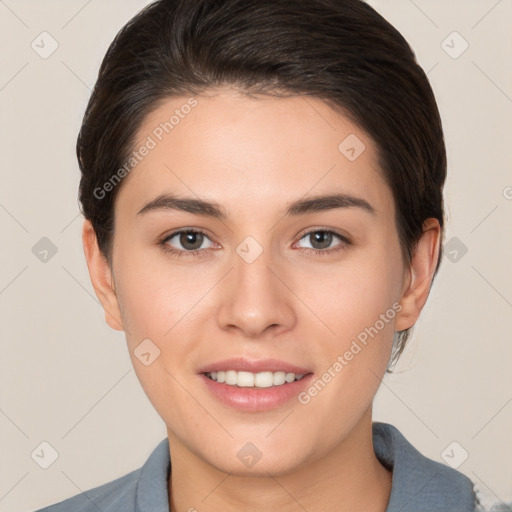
[[253, 155]]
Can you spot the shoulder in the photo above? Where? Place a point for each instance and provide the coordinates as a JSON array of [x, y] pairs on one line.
[[144, 487], [118, 494], [424, 484]]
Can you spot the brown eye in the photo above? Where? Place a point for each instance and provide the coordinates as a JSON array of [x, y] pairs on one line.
[[186, 242], [190, 240], [321, 241]]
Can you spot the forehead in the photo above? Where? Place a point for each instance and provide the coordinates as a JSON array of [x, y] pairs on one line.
[[263, 150]]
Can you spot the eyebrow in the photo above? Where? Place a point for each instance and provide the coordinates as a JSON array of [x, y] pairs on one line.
[[298, 207]]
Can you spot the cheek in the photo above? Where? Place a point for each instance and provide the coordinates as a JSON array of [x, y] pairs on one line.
[[153, 297], [353, 295], [359, 307], [156, 303]]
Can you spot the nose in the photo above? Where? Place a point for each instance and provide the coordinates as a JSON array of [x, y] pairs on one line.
[[256, 298]]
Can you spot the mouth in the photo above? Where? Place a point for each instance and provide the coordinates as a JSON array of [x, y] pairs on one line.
[[245, 379], [254, 385]]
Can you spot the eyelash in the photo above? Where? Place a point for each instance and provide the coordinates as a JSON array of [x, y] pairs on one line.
[[315, 252]]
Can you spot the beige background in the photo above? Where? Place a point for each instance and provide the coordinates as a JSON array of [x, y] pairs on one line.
[[66, 378]]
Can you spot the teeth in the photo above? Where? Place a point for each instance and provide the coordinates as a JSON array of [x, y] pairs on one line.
[[250, 380]]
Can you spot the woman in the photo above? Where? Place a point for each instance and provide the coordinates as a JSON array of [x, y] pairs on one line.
[[262, 188]]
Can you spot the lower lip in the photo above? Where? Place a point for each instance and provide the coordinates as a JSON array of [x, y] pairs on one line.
[[256, 399]]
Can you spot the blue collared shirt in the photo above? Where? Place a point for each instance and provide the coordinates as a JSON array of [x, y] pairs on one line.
[[419, 484]]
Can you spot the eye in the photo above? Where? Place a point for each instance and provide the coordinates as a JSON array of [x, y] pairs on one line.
[[322, 239], [190, 239]]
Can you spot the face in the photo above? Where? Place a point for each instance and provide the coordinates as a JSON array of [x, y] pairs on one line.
[[261, 286]]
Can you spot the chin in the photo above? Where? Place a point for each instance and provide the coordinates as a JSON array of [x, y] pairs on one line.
[[277, 464]]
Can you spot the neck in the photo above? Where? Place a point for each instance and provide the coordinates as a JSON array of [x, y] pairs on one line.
[[349, 477]]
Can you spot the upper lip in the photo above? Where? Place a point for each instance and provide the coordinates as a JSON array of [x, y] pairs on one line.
[[242, 364]]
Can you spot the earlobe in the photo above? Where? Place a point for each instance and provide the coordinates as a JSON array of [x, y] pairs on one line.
[[420, 275], [101, 277]]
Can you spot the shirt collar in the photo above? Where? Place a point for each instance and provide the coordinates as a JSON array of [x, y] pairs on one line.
[[418, 483], [152, 494]]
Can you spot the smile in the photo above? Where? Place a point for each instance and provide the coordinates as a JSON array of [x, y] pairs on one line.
[[249, 379]]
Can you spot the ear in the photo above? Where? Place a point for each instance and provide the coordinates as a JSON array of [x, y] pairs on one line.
[[419, 275], [101, 277]]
